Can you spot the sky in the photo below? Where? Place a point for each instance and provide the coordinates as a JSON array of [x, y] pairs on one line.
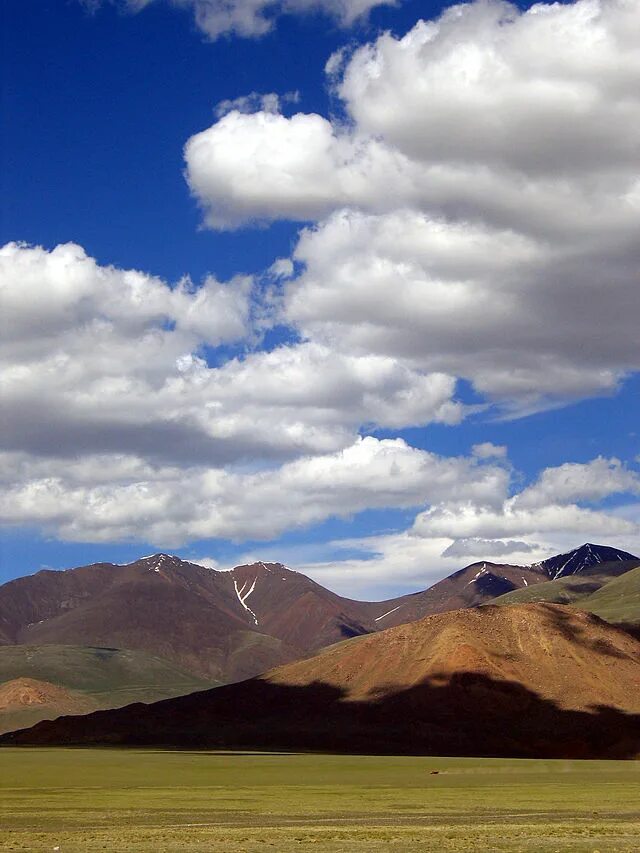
[[346, 284]]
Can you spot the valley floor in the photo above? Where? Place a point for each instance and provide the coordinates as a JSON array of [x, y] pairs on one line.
[[160, 802]]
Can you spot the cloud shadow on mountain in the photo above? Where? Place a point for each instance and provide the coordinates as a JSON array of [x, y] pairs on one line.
[[468, 714]]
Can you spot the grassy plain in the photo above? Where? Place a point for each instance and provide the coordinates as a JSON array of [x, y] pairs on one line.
[[155, 802]]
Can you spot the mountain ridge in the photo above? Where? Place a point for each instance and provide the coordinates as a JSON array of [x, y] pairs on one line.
[[232, 624]]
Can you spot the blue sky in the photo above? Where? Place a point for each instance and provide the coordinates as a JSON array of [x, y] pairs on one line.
[[464, 277]]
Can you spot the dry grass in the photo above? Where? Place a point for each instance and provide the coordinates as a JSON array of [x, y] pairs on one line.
[[144, 801]]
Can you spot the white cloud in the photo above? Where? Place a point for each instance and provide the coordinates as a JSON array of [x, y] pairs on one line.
[[256, 102], [488, 450], [171, 506], [101, 360], [252, 18], [479, 205], [539, 106], [468, 521], [574, 482], [468, 301], [49, 294]]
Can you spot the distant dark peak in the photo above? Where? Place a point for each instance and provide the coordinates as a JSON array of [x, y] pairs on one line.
[[587, 555]]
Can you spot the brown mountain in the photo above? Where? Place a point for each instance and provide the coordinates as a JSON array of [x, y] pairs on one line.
[[225, 626], [159, 604], [530, 680], [475, 584], [26, 701], [220, 625]]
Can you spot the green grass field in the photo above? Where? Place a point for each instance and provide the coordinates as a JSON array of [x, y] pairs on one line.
[[154, 802]]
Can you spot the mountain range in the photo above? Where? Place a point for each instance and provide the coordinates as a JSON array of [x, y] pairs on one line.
[[220, 625], [184, 627]]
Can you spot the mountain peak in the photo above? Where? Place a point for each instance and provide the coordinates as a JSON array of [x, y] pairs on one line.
[[587, 555]]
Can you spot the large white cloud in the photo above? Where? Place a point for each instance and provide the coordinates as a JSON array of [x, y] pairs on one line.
[[126, 499], [479, 205], [583, 483], [97, 359], [524, 323]]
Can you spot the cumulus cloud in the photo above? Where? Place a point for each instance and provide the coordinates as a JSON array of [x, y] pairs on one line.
[[469, 521], [172, 505], [574, 482], [251, 18], [102, 360], [478, 207]]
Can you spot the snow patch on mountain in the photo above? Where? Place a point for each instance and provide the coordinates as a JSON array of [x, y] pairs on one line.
[[242, 596]]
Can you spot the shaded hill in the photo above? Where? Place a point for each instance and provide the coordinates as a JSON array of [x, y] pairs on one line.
[[92, 677], [531, 680]]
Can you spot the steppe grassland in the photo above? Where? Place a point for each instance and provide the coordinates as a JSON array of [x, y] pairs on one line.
[[144, 801]]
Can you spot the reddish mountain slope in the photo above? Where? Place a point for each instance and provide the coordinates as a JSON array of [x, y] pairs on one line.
[[159, 604], [26, 701], [532, 680], [567, 656], [221, 625], [22, 693], [473, 585]]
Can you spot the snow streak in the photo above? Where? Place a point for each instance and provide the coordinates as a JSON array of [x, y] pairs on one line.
[[242, 596], [377, 619]]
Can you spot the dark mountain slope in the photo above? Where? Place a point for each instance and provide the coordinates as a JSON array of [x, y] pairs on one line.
[[576, 561]]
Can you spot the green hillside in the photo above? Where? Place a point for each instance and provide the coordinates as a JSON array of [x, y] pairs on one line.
[[106, 678], [610, 590], [134, 676], [618, 601]]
